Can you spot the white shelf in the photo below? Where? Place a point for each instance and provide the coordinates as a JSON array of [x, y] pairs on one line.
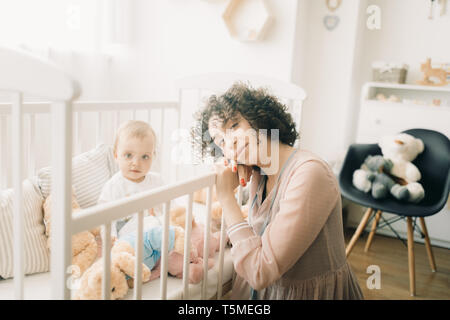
[[406, 86]]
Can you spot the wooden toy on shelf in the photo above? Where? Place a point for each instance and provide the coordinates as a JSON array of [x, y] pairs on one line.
[[429, 72]]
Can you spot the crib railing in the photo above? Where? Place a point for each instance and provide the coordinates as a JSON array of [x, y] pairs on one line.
[[65, 120], [22, 74], [104, 214], [99, 112]]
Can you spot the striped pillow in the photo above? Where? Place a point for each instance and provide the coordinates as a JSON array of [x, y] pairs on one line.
[[35, 242], [90, 171]]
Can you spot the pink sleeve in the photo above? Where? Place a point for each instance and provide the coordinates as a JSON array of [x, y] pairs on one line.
[[309, 199]]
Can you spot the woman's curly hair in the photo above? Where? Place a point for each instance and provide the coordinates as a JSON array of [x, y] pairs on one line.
[[261, 109]]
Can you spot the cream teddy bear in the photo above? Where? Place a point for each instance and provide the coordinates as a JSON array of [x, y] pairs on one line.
[[84, 244], [178, 218], [216, 207], [122, 264], [402, 149]]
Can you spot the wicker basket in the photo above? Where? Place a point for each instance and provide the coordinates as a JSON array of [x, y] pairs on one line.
[[384, 72]]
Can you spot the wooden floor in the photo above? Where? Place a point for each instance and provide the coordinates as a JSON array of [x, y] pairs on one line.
[[392, 257]]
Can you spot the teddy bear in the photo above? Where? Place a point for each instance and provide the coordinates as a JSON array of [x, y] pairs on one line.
[[374, 176], [393, 172], [402, 149], [216, 207], [122, 264], [84, 244], [178, 218]]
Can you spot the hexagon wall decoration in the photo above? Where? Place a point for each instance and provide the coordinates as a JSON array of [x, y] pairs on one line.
[[247, 20]]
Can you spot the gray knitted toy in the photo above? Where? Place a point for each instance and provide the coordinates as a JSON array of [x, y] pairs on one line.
[[372, 177]]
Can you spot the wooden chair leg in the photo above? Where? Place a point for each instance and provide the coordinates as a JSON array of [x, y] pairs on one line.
[[412, 275], [358, 231], [428, 245], [372, 232]]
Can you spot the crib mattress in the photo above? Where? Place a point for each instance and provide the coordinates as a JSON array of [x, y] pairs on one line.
[[38, 286]]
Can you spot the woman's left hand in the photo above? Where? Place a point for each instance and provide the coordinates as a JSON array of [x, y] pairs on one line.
[[226, 182]]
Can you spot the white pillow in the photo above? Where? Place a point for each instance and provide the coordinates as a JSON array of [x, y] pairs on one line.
[[35, 242], [90, 171]]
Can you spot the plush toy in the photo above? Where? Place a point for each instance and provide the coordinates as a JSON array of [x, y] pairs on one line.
[[373, 176], [396, 164], [84, 244], [402, 149], [216, 207], [122, 264], [178, 218], [152, 252]]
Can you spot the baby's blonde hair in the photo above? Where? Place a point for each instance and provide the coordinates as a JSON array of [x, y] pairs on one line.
[[135, 129]]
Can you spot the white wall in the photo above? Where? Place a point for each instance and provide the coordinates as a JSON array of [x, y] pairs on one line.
[[327, 65], [407, 35]]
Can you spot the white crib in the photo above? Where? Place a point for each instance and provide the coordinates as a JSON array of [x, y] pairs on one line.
[[21, 74]]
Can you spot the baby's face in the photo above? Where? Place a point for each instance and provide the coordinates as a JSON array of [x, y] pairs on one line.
[[135, 156]]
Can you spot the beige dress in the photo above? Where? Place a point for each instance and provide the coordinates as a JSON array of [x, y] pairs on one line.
[[301, 253]]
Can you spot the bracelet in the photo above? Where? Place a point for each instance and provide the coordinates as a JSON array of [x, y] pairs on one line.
[[237, 227]]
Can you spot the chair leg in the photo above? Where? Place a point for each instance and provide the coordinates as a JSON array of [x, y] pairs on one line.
[[358, 231], [428, 245], [372, 232], [412, 275]]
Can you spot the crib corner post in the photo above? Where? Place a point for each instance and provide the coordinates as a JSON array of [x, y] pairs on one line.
[[61, 245]]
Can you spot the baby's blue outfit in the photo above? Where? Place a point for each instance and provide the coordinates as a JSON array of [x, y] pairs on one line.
[[152, 238]]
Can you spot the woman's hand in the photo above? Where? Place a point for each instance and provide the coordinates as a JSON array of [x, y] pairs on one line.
[[226, 182], [244, 172]]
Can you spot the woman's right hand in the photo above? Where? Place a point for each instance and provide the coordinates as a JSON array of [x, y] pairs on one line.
[[244, 172]]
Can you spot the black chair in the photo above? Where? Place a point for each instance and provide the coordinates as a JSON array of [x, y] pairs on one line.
[[434, 165]]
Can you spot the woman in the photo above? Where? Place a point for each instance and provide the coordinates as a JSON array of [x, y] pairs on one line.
[[293, 245]]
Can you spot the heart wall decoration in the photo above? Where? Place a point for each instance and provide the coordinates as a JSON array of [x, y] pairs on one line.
[[331, 22]]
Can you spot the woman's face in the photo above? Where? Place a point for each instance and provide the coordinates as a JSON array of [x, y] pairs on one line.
[[238, 140]]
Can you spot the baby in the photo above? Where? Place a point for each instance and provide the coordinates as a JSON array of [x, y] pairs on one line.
[[134, 150]]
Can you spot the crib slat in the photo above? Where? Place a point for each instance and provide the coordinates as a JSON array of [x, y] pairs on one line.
[[17, 145], [180, 95], [161, 142], [78, 126], [99, 128], [106, 254], [139, 260], [165, 251], [206, 241], [187, 248], [32, 145], [117, 121], [221, 257], [4, 153], [61, 253]]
